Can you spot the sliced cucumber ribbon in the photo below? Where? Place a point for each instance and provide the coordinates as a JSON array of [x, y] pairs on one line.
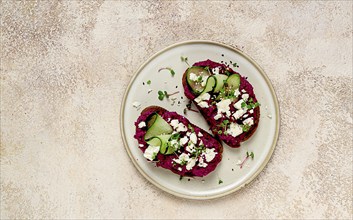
[[159, 134]]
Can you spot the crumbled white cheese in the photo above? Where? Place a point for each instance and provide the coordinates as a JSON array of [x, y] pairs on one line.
[[151, 152], [181, 127], [215, 71], [209, 154], [174, 143], [200, 134], [193, 77], [141, 124], [174, 122], [236, 93], [243, 91], [203, 104], [218, 116], [251, 111], [184, 140], [234, 129], [202, 163], [141, 145], [190, 148], [239, 113], [188, 133], [249, 121], [201, 143], [191, 164], [178, 126], [245, 96], [136, 104], [223, 105], [180, 169], [204, 97], [238, 104], [182, 158], [193, 138], [246, 115]]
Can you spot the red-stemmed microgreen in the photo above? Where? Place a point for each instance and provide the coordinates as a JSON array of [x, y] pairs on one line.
[[172, 72], [184, 59], [246, 158], [162, 94]]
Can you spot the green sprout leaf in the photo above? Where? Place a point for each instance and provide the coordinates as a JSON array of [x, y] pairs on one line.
[[172, 72], [149, 82], [184, 59]]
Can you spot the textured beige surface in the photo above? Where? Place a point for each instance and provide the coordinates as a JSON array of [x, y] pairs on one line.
[[65, 66]]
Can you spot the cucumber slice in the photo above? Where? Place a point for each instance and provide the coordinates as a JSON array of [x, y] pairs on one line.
[[162, 141], [210, 85], [233, 81], [193, 75], [156, 126], [220, 81]]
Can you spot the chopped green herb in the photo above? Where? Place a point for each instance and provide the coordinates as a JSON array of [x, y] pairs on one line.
[[220, 181], [190, 127], [168, 68], [243, 104], [235, 64], [207, 68], [227, 73], [246, 127], [251, 154], [220, 132], [160, 95], [149, 82]]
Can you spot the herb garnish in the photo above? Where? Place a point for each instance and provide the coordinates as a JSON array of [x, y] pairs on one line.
[[168, 68], [235, 65], [220, 181], [162, 94], [246, 127], [149, 82], [251, 104], [184, 59], [246, 158]]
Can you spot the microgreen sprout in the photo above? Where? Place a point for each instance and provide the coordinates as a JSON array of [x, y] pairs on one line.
[[184, 59], [251, 154], [162, 94], [168, 68]]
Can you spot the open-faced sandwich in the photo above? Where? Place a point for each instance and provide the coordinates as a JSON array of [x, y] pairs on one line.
[[225, 99], [172, 142]]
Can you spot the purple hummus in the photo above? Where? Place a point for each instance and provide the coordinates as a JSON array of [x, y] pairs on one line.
[[168, 161]]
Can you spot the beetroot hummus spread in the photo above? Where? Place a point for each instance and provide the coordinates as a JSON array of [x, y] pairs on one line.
[[233, 114], [197, 153]]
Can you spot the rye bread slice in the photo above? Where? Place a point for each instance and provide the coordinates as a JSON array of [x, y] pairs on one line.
[[166, 161], [209, 113]]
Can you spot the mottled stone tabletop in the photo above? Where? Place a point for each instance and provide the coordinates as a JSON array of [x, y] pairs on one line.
[[65, 66]]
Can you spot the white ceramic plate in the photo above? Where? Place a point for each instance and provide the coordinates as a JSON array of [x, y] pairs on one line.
[[262, 143]]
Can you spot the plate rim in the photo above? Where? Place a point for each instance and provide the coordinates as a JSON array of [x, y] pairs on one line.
[[263, 164]]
